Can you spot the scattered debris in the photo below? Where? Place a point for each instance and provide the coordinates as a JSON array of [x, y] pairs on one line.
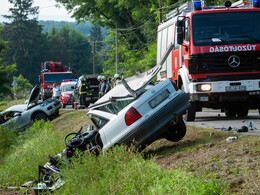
[[212, 134], [229, 128], [243, 129], [224, 129], [251, 125], [231, 139]]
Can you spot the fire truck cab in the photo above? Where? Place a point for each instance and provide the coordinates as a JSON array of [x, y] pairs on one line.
[[52, 72], [216, 55]]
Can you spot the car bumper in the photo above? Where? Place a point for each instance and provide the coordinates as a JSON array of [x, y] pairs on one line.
[[153, 127]]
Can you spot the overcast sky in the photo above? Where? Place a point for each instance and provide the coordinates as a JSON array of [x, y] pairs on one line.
[[47, 10]]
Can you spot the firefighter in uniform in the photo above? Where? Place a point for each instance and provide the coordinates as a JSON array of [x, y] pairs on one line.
[[117, 79], [83, 92]]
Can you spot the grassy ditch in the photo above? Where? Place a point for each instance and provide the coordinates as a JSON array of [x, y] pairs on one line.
[[206, 152], [117, 171]]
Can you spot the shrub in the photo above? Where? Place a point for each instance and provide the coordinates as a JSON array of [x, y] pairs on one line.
[[125, 172]]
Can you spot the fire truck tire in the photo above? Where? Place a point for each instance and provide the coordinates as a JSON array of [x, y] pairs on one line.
[[242, 111], [63, 105], [230, 111], [190, 113], [176, 132]]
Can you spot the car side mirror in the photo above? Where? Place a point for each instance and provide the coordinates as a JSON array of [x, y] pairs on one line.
[[180, 35]]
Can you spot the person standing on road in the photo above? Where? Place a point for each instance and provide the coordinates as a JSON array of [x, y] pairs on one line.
[[104, 86], [56, 91], [99, 86], [83, 92]]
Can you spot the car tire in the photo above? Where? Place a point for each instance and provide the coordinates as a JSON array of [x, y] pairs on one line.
[[242, 111], [63, 105], [191, 111], [176, 132], [230, 111], [40, 116]]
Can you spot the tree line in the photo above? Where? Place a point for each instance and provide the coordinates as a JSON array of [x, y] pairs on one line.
[[134, 21], [24, 46]]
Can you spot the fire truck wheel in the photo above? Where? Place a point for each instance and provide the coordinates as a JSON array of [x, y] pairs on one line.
[[242, 111], [230, 111], [63, 105], [190, 113], [176, 132]]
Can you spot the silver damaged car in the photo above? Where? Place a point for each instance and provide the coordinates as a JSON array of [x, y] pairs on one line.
[[20, 116]]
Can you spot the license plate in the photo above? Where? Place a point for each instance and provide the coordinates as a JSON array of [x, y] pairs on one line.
[[159, 98], [236, 88]]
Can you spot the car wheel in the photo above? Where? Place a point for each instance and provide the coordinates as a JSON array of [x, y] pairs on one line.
[[63, 105], [176, 132], [230, 111], [242, 111], [40, 116], [191, 111]]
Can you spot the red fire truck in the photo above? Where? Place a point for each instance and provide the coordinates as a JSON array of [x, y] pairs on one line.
[[52, 72], [216, 55]]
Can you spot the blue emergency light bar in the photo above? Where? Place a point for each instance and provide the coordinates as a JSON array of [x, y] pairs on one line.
[[197, 5], [256, 3]]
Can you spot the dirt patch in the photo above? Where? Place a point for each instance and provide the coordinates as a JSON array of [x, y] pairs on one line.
[[236, 164]]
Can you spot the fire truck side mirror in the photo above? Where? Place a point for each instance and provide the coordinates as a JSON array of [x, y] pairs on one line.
[[180, 24]]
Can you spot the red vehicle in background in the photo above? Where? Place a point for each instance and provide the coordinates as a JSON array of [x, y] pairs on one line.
[[67, 87], [52, 72]]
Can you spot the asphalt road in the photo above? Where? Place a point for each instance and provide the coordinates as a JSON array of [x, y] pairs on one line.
[[214, 119]]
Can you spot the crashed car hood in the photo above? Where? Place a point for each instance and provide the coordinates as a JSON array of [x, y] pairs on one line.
[[34, 96], [136, 83], [16, 108]]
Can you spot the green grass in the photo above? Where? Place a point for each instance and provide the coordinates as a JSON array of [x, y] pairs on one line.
[[116, 172], [125, 172], [30, 149]]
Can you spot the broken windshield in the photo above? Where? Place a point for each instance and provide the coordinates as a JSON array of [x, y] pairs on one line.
[[226, 28]]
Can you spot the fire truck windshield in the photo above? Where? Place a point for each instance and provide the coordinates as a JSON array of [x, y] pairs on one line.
[[53, 78], [226, 28]]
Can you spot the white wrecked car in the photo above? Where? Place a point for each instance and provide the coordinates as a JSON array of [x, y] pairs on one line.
[[20, 116], [136, 113]]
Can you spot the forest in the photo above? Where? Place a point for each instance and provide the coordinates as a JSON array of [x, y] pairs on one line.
[[26, 42]]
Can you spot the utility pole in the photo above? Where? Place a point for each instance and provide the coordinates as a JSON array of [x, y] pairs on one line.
[[160, 11], [94, 53], [116, 50]]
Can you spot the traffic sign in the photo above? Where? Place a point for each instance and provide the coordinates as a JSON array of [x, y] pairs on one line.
[[14, 83]]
